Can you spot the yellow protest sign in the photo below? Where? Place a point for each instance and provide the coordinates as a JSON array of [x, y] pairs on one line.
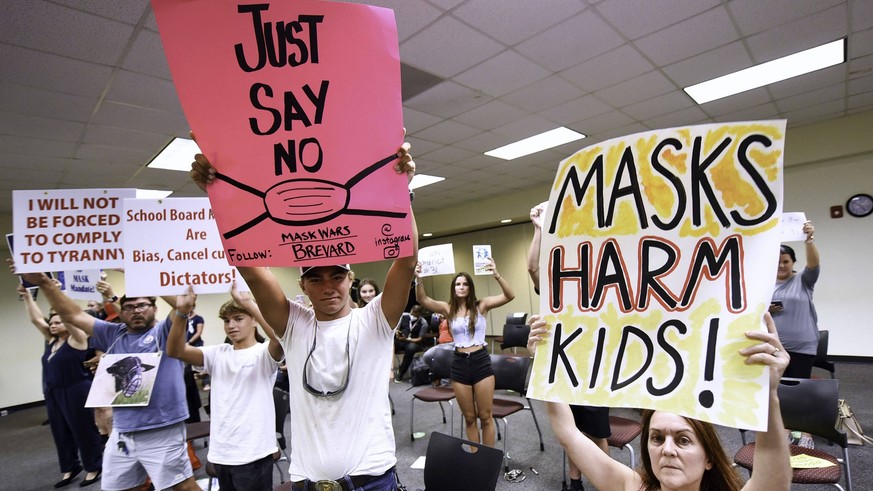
[[659, 252]]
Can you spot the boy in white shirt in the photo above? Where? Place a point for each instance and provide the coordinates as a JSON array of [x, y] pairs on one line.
[[242, 433]]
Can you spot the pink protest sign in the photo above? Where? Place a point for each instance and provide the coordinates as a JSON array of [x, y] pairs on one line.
[[297, 105]]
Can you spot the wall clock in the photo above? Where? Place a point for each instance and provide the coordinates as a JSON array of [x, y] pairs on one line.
[[860, 205]]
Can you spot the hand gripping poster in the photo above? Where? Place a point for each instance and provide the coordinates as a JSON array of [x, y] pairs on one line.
[[297, 105], [659, 252]]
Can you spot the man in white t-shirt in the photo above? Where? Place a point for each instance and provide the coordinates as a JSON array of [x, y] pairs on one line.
[[337, 358], [242, 430]]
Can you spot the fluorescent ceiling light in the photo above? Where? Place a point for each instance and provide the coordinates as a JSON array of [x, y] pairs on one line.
[[152, 194], [428, 234], [506, 220], [779, 69], [536, 143], [422, 180], [177, 155]]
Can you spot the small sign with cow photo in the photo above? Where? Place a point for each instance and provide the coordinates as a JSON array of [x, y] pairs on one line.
[[124, 379]]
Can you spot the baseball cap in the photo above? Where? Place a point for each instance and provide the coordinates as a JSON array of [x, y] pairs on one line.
[[307, 269]]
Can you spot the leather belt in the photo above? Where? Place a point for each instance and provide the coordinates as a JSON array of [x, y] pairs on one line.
[[330, 485], [467, 354]]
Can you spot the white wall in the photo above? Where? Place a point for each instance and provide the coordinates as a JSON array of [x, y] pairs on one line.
[[843, 295]]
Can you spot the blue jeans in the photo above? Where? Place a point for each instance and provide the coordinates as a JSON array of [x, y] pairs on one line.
[[385, 482]]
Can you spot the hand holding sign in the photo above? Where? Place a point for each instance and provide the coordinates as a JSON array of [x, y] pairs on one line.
[[303, 134]]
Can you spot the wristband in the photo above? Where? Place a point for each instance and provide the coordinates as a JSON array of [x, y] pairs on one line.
[[112, 299], [185, 315]]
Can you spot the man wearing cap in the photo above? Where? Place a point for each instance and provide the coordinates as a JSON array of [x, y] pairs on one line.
[[337, 358], [145, 440]]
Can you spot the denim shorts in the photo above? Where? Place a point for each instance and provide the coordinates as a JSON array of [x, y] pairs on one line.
[[470, 368]]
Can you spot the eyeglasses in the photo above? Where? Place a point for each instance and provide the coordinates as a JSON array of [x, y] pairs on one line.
[[322, 393], [137, 307]]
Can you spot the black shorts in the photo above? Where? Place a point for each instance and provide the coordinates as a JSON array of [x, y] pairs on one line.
[[592, 420], [469, 368]]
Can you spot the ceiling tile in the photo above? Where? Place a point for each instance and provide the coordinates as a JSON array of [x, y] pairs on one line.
[[517, 20], [571, 42], [577, 110], [861, 67], [543, 94], [53, 129], [636, 18], [416, 120], [448, 154], [491, 115], [620, 131], [39, 147], [754, 16], [860, 85], [43, 70], [607, 69], [411, 17], [688, 116], [501, 74], [861, 100], [447, 99], [523, 128], [147, 56], [604, 122], [448, 132], [660, 105], [33, 24], [764, 111], [816, 112], [737, 102], [688, 38], [112, 154], [636, 89], [861, 44], [111, 135], [807, 82], [720, 61], [39, 102], [142, 90], [450, 47], [129, 11], [862, 14], [421, 146], [140, 119], [807, 32], [813, 97]]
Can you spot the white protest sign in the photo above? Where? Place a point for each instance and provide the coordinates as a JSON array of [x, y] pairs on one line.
[[481, 256], [173, 243], [68, 229], [82, 284], [791, 227], [438, 259]]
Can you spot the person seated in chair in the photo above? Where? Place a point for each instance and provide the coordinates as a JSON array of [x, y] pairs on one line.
[[412, 342]]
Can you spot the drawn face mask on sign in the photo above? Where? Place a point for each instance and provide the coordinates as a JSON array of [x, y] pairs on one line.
[[307, 201]]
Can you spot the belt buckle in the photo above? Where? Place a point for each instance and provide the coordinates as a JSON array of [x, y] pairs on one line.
[[327, 485]]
